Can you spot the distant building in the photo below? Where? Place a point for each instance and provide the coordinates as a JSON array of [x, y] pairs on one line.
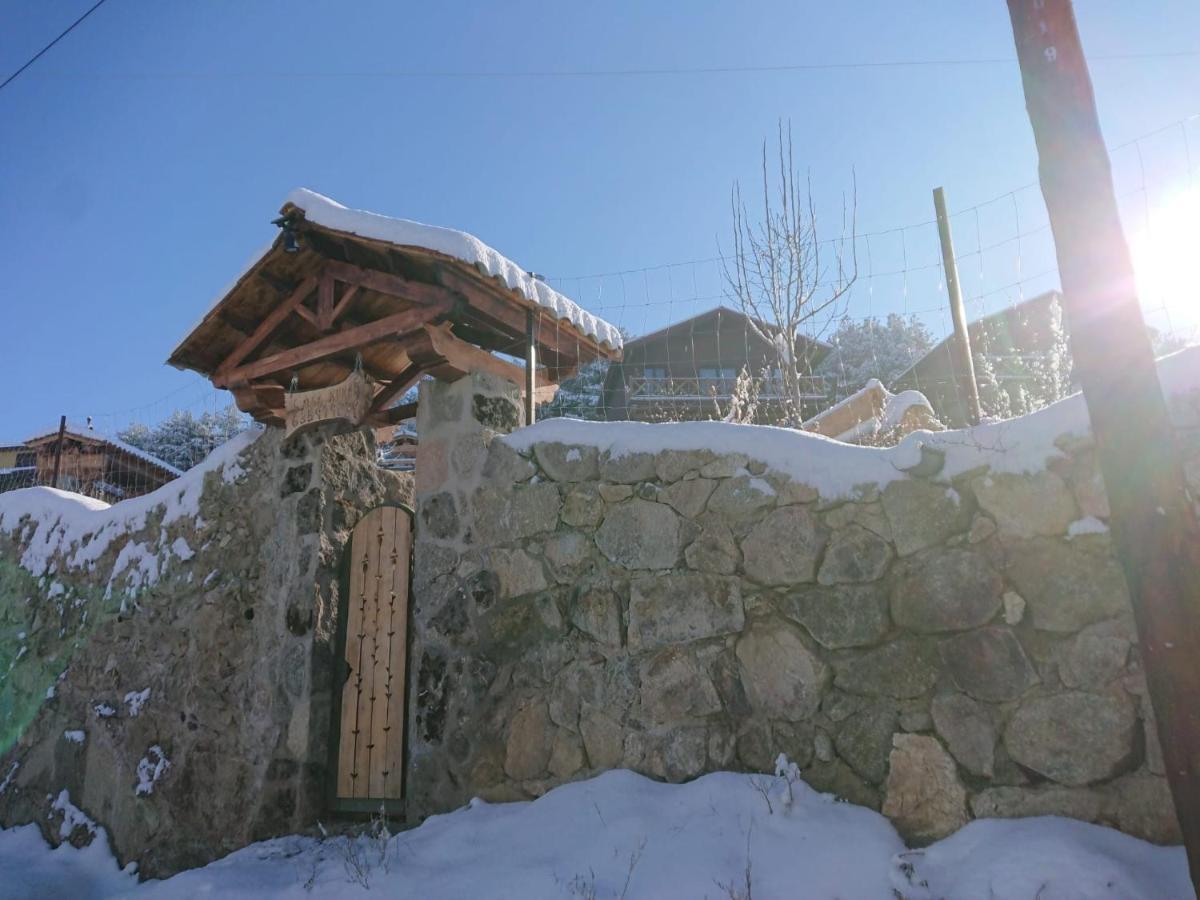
[[1009, 340], [678, 372], [90, 464], [17, 467]]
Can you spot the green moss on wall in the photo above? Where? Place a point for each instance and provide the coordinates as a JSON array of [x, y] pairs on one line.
[[42, 622]]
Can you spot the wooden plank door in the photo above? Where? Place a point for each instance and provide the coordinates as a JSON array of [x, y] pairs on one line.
[[370, 751]]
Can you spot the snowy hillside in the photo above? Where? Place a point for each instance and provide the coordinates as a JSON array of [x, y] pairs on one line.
[[623, 836]]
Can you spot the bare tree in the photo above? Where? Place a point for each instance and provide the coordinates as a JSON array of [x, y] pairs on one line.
[[783, 275]]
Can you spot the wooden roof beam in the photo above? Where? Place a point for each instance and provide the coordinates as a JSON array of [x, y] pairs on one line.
[[265, 327], [392, 285], [560, 342], [341, 342]]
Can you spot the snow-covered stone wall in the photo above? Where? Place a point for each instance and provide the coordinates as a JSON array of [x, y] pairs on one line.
[[166, 663], [939, 630]]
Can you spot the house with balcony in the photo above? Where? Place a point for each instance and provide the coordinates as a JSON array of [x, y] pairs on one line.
[[688, 370]]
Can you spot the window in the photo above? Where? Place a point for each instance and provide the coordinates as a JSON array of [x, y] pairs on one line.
[[656, 372], [715, 372]]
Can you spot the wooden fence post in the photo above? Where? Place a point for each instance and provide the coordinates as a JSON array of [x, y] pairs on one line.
[[58, 447], [530, 366], [966, 362], [1154, 526]]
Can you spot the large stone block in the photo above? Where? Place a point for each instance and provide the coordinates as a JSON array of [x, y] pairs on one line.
[[640, 534], [671, 465], [921, 514], [904, 668], [563, 462], [597, 613], [945, 590], [714, 550], [1073, 738], [1027, 505], [1140, 804], [840, 617], [530, 741], [989, 664], [1067, 586], [513, 515], [505, 466], [675, 609], [688, 497], [784, 547], [627, 468], [864, 740], [674, 687], [1046, 800], [782, 677], [1095, 656], [518, 573], [741, 497], [582, 506], [968, 730], [603, 737], [854, 555], [923, 796]]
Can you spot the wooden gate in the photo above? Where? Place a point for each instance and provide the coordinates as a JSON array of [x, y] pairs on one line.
[[374, 628]]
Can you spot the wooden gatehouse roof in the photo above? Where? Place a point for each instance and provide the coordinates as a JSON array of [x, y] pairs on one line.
[[338, 285]]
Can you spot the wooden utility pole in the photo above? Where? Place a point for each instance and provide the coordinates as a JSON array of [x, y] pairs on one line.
[[966, 363], [530, 366], [62, 428], [1154, 527]]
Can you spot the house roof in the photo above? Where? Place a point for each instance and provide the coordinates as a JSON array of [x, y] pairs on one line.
[[715, 312], [85, 435], [399, 280], [973, 328]]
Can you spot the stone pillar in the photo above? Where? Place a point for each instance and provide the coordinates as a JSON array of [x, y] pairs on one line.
[[457, 422]]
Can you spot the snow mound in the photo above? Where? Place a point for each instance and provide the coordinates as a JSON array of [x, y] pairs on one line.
[[466, 247], [836, 469], [1049, 858], [622, 835]]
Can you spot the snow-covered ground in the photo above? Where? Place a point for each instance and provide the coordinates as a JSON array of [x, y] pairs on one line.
[[622, 835]]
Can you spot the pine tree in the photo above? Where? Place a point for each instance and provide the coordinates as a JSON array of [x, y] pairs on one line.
[[869, 348], [183, 440]]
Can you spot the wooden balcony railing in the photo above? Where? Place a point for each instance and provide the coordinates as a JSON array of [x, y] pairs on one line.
[[813, 387]]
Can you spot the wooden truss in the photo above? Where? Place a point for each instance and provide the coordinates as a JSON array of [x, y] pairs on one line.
[[420, 334]]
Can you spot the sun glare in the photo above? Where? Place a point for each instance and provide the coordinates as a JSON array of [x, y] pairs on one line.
[[1166, 257]]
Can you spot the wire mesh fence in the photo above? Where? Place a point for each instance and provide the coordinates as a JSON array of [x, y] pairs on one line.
[[691, 351], [687, 341]]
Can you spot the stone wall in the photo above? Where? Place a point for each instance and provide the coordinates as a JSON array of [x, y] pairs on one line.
[[939, 650], [176, 687]]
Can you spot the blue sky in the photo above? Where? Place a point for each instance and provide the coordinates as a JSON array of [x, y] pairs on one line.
[[143, 157]]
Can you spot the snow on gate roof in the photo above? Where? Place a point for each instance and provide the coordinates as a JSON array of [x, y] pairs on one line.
[[339, 288]]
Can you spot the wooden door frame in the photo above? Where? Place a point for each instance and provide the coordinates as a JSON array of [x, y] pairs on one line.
[[349, 805]]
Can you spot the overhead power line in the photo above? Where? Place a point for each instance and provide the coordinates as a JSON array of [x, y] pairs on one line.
[[648, 71], [41, 52]]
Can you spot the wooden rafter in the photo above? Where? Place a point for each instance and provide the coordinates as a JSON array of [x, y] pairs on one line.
[[347, 296], [341, 342], [397, 386], [392, 285], [559, 343], [264, 329], [325, 301]]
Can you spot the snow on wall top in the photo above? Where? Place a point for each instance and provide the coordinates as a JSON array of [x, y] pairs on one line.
[[835, 469], [326, 212], [61, 521]]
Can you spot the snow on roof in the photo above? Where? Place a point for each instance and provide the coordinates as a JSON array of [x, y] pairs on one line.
[[88, 431], [330, 214], [836, 469], [62, 520]]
